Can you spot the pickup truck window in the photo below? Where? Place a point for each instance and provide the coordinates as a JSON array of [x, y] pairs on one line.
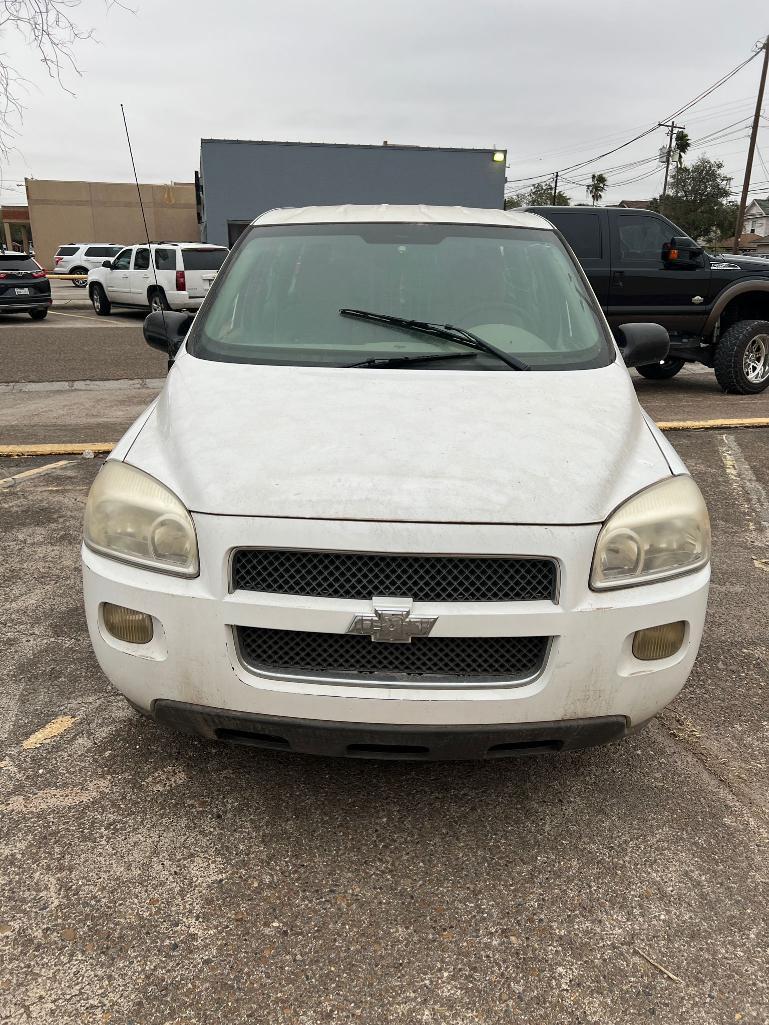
[[278, 300], [123, 262], [641, 238], [582, 231]]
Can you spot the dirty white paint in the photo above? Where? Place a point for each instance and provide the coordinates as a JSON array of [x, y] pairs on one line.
[[397, 445], [49, 732]]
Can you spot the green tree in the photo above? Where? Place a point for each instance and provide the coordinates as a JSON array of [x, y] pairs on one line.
[[597, 187], [540, 194], [682, 144], [699, 200]]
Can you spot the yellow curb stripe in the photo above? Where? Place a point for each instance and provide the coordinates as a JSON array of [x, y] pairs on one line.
[[712, 425], [103, 447], [15, 451]]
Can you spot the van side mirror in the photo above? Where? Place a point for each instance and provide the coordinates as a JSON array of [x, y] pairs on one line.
[[642, 343], [166, 330], [681, 250], [107, 264]]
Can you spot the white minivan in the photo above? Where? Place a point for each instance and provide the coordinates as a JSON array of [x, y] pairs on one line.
[[398, 499]]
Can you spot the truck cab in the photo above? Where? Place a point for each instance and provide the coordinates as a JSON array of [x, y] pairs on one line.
[[643, 267]]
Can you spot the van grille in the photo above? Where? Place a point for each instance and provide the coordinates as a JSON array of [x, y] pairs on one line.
[[419, 577], [453, 659]]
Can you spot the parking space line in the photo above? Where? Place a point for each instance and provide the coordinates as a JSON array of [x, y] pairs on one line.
[[7, 482], [753, 497], [79, 316], [49, 732]]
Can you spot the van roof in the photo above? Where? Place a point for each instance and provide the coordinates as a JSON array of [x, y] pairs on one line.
[[402, 214]]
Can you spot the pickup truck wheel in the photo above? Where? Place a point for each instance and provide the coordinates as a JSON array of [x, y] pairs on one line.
[[661, 371], [158, 301], [742, 358], [101, 303], [84, 272]]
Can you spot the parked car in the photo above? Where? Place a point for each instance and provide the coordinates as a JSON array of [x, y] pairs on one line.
[[644, 268], [80, 257], [349, 527], [24, 287], [178, 279]]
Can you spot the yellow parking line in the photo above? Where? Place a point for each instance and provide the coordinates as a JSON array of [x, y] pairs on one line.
[[6, 481], [15, 451], [49, 732], [712, 425]]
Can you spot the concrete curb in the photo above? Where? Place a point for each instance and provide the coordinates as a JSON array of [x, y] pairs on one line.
[[102, 447], [127, 384]]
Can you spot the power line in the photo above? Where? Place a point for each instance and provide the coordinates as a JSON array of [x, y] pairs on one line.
[[642, 135]]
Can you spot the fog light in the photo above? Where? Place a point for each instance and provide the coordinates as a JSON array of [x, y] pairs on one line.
[[658, 641], [127, 624]]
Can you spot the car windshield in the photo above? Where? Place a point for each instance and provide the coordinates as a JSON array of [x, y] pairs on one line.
[[279, 299]]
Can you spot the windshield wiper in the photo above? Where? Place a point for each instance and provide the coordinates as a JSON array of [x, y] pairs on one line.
[[396, 361], [448, 331]]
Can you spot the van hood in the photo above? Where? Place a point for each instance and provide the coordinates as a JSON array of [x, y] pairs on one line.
[[398, 445]]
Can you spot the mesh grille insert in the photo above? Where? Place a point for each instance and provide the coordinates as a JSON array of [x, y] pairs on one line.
[[420, 577], [337, 655]]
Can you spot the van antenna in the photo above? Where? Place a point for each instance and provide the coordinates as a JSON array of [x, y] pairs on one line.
[[144, 217]]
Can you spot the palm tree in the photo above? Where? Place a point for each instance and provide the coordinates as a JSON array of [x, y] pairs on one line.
[[597, 187], [682, 144]]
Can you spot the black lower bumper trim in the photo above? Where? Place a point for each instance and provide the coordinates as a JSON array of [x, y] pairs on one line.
[[384, 741]]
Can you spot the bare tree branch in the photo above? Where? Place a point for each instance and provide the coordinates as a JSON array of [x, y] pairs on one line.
[[50, 30]]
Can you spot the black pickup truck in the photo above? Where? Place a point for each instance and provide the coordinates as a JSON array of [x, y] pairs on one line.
[[644, 268]]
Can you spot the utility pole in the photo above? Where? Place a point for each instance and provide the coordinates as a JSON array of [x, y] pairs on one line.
[[673, 128], [555, 189], [751, 150]]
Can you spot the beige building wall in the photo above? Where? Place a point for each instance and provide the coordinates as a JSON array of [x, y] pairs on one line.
[[62, 212]]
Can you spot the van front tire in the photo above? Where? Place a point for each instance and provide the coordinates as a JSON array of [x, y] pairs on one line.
[[741, 361]]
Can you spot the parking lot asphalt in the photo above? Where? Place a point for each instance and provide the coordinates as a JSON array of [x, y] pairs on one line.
[[74, 345], [150, 878]]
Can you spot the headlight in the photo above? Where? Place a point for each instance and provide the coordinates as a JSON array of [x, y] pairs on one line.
[[130, 515], [661, 532]]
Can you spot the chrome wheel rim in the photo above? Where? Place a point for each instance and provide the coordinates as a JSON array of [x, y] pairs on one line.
[[755, 361], [155, 305], [96, 299]]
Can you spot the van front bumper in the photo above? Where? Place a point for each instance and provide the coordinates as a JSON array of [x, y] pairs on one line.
[[590, 688]]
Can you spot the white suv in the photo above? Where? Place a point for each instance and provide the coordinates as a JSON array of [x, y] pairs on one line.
[[80, 257], [163, 276]]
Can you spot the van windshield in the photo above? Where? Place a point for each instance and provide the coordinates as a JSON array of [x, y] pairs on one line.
[[278, 301]]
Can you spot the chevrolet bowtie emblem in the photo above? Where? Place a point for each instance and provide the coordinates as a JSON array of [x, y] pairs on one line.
[[392, 621]]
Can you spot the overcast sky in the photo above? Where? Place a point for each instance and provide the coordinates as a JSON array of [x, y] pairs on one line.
[[554, 83]]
